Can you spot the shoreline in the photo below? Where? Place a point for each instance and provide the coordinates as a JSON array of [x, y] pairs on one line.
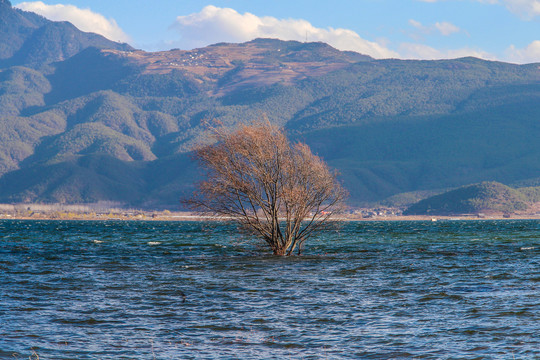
[[107, 211], [186, 216]]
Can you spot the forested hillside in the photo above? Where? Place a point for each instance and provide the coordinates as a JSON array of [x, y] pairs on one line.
[[84, 119], [490, 197]]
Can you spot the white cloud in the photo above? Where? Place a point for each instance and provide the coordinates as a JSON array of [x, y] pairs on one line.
[[419, 51], [84, 19], [416, 24], [527, 9], [425, 52], [444, 28], [214, 24], [529, 54]]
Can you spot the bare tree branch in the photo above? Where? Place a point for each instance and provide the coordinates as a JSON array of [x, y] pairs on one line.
[[278, 190]]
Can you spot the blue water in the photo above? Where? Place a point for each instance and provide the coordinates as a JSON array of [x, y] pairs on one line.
[[376, 290]]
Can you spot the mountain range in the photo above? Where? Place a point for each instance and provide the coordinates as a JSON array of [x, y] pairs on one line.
[[84, 119]]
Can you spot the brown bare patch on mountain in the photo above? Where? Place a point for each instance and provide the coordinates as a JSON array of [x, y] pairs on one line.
[[258, 62]]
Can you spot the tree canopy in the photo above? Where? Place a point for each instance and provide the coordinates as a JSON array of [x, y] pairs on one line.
[[279, 190]]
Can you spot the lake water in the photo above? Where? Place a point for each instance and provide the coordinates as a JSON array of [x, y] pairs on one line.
[[166, 290]]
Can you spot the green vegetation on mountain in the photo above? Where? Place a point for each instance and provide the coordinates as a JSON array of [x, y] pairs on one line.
[[21, 88], [430, 153], [531, 193], [396, 130], [478, 198], [15, 27], [85, 73]]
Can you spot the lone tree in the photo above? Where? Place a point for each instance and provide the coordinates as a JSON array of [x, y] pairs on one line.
[[278, 190]]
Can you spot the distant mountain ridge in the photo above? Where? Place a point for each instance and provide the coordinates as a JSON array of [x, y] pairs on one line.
[[29, 39], [84, 123]]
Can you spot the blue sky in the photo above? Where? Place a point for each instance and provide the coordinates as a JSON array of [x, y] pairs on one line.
[[507, 30]]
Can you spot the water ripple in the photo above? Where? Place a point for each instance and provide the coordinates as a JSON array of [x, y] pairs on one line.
[[110, 290]]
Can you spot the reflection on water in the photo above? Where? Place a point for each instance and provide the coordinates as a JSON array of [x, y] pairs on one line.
[[380, 290]]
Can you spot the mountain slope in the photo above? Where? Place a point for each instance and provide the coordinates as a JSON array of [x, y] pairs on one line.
[[15, 28], [27, 38], [388, 126], [434, 152]]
